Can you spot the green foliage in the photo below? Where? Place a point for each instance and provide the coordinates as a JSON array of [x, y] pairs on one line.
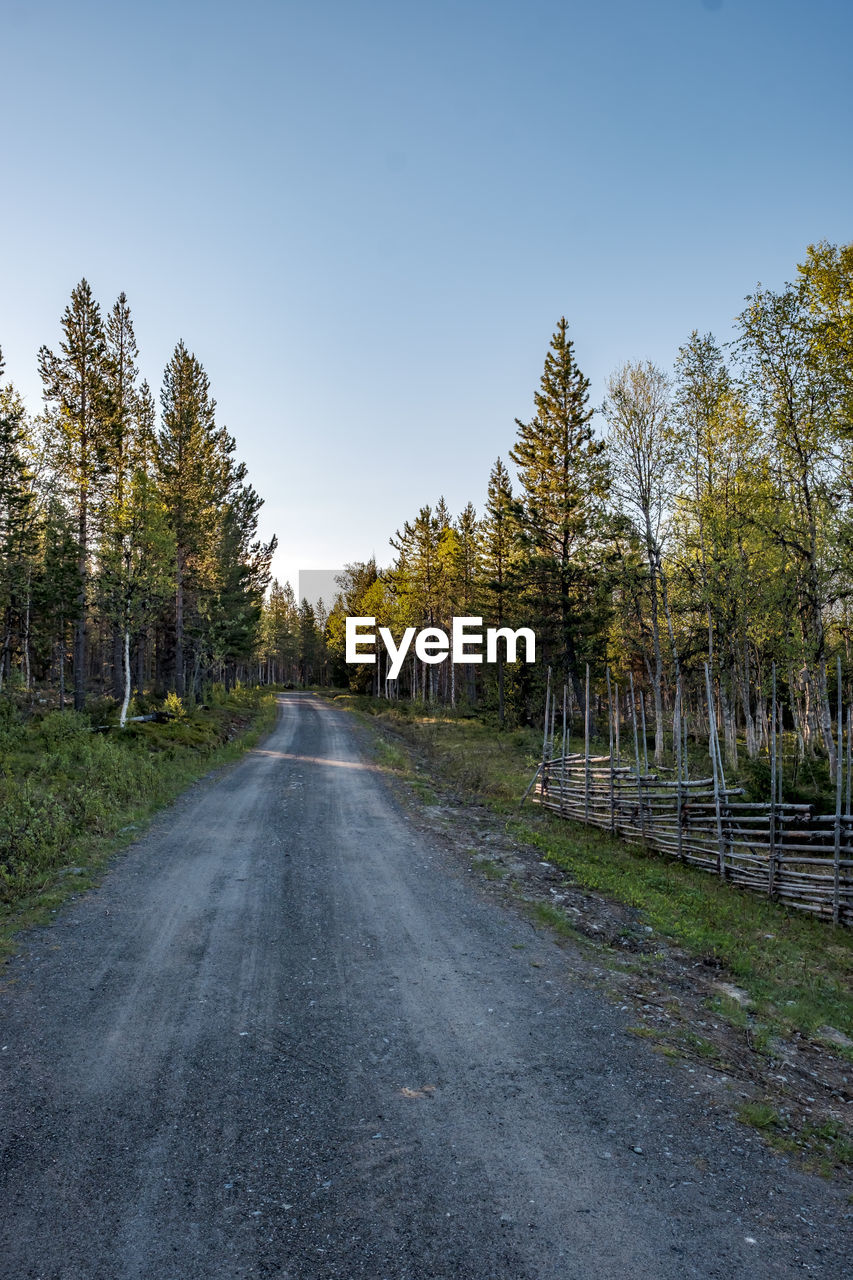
[[564, 479], [66, 792], [59, 728]]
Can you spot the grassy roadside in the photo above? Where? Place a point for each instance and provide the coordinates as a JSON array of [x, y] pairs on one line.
[[797, 972], [70, 798]]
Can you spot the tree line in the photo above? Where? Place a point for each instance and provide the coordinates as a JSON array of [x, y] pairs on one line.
[[698, 515], [129, 555]]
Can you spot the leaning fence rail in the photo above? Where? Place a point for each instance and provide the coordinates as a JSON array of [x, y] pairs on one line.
[[785, 851], [796, 856]]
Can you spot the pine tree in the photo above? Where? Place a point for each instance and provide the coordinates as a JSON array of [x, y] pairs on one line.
[[563, 476], [17, 523], [56, 585], [74, 386], [189, 472]]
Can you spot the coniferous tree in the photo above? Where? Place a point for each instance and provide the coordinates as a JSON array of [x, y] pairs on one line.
[[56, 586], [189, 473], [17, 522], [74, 387], [563, 476]]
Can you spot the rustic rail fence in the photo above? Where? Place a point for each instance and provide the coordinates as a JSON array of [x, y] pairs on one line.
[[785, 851]]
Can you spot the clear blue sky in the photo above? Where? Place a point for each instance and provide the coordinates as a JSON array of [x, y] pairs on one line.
[[365, 218]]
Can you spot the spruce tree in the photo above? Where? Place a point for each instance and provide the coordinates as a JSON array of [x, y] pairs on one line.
[[563, 475], [17, 525], [188, 472], [74, 387]]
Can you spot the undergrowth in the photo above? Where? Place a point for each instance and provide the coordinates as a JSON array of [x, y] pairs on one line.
[[69, 795]]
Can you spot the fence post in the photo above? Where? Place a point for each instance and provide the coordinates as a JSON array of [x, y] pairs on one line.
[[586, 750], [676, 717], [712, 750], [839, 773], [771, 869], [610, 722], [645, 743], [637, 756], [563, 778], [545, 734]]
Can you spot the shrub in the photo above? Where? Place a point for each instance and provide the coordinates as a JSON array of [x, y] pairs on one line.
[[60, 727]]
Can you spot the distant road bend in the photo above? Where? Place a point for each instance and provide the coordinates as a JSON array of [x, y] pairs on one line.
[[288, 1036]]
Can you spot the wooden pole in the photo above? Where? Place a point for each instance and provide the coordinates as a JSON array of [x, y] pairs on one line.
[[637, 756], [676, 716], [849, 760], [839, 777], [553, 718], [618, 717], [545, 734], [610, 725], [712, 751], [586, 750], [645, 744], [771, 870], [565, 752]]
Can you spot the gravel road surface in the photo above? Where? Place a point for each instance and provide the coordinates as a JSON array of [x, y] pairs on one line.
[[289, 1036]]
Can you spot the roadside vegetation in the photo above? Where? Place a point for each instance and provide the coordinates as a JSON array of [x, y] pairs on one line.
[[796, 971], [73, 791]]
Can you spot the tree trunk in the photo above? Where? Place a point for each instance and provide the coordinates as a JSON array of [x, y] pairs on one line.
[[500, 691], [179, 625], [80, 622], [825, 719], [119, 674], [140, 664], [727, 708], [126, 703], [657, 677]]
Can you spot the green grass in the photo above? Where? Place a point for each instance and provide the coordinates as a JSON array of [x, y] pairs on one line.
[[489, 868], [70, 797], [822, 1147], [797, 971]]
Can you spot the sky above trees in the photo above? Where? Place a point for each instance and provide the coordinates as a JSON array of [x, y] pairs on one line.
[[366, 219]]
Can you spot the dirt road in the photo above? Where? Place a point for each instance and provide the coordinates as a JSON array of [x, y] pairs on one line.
[[288, 1037]]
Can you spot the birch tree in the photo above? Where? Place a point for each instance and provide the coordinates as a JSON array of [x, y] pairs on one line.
[[643, 446]]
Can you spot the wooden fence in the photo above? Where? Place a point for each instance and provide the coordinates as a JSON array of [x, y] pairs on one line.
[[785, 851]]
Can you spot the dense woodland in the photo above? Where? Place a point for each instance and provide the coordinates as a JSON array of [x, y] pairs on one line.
[[129, 557], [702, 514]]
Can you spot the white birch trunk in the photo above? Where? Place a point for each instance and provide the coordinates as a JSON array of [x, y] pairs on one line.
[[126, 702]]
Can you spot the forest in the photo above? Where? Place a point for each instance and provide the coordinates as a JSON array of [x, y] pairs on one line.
[[129, 556], [699, 515]]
